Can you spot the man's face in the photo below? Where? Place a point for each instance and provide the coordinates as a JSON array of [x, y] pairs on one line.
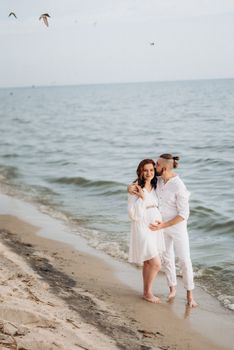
[[159, 169]]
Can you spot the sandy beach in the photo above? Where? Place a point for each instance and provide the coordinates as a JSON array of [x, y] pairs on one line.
[[61, 294]]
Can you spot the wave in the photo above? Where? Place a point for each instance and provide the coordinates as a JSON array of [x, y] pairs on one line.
[[21, 121], [8, 172], [10, 155], [222, 228], [212, 161], [213, 147], [201, 210], [211, 220], [83, 182], [217, 281]]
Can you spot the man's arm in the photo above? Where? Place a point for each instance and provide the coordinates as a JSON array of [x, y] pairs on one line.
[[182, 202], [162, 225]]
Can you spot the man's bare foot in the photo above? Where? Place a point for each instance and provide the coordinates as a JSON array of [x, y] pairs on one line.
[[191, 302], [152, 299], [172, 294]]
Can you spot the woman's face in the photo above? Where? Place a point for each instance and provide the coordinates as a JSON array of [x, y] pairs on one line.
[[148, 172]]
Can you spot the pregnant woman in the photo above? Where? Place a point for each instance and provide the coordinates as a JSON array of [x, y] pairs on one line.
[[146, 246]]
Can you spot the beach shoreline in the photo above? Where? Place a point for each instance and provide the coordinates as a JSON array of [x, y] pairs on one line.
[[103, 296]]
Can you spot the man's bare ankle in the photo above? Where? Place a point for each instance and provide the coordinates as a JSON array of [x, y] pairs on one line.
[[172, 293]]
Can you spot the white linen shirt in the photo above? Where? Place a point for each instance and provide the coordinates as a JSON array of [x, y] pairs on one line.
[[173, 199]]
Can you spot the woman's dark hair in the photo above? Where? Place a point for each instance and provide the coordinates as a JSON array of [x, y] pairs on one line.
[[170, 156], [140, 180]]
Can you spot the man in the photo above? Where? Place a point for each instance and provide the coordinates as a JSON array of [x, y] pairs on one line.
[[173, 200]]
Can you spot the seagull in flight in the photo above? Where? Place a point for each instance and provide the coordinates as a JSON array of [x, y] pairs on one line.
[[12, 14], [45, 17]]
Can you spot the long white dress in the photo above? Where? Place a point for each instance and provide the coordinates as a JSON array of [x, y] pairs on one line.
[[144, 243]]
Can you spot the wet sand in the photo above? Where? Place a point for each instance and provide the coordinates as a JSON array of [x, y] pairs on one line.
[[60, 294]]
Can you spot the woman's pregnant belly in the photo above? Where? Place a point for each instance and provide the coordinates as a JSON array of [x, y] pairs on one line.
[[152, 215]]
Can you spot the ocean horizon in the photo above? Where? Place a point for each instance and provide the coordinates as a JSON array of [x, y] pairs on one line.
[[55, 85]]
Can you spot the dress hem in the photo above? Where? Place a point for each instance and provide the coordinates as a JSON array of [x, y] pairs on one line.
[[142, 262]]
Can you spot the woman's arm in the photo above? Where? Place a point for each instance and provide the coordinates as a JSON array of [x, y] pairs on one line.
[[136, 207]]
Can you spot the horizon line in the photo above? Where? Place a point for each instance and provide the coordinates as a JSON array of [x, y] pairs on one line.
[[112, 83]]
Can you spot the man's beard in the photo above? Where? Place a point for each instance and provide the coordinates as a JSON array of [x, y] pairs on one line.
[[158, 173]]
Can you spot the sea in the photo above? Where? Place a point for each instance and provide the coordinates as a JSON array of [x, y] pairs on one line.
[[72, 151]]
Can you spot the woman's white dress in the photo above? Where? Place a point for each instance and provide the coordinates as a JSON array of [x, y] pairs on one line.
[[144, 243]]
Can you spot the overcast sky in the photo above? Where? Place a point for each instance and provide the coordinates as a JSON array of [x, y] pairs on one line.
[[101, 41]]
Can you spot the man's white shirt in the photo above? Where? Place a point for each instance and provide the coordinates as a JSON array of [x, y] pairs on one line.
[[173, 199]]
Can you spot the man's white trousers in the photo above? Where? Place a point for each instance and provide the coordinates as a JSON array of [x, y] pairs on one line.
[[177, 244]]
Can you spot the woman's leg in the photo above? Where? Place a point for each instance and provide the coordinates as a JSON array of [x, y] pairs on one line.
[[144, 274], [150, 269]]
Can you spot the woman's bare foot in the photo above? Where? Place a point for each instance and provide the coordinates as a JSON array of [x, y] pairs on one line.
[[172, 294], [152, 298]]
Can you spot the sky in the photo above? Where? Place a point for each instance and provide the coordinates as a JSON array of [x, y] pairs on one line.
[[108, 41]]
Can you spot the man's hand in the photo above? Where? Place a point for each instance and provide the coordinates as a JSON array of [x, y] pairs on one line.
[[132, 188], [136, 190], [161, 225], [139, 192]]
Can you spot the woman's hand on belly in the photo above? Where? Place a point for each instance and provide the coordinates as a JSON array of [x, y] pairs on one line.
[[156, 226]]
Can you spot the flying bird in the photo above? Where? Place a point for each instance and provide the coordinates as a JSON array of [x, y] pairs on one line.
[[152, 44], [45, 17], [12, 14]]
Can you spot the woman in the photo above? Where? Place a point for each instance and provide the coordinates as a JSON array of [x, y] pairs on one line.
[[146, 246]]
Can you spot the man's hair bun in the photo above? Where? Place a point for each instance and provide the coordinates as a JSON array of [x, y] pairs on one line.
[[175, 161], [169, 156]]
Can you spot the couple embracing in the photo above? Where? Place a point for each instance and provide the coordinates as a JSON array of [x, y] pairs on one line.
[[158, 206]]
